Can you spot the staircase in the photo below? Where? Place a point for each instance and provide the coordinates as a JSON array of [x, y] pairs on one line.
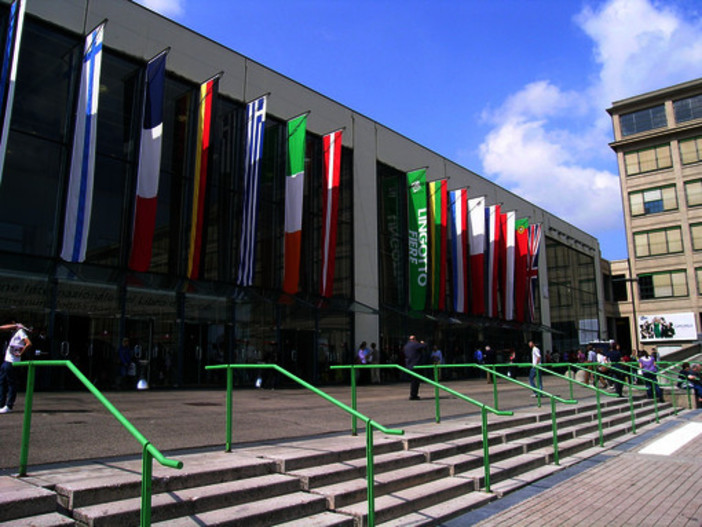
[[432, 473]]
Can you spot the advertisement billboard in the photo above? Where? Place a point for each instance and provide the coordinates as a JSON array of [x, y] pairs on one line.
[[668, 326]]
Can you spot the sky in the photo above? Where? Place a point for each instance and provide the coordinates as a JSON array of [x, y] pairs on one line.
[[514, 90]]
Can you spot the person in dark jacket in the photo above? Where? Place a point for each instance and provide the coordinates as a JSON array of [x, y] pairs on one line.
[[414, 351]]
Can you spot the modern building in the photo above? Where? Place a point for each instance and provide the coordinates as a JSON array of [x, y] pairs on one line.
[[658, 142], [180, 323]]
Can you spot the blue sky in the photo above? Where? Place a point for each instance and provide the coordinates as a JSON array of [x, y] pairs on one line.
[[513, 90]]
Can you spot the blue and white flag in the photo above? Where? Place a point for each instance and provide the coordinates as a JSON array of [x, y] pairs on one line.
[[255, 125], [9, 72], [79, 200]]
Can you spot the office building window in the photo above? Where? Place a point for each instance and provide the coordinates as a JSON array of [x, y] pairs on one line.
[[648, 160], [688, 109], [662, 285], [653, 200], [691, 150], [698, 278], [693, 193], [658, 242], [643, 120], [696, 234]]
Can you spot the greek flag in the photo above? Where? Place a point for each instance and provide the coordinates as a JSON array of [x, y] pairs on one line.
[[9, 72], [255, 125], [80, 185]]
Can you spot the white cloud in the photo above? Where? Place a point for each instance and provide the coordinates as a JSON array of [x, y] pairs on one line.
[[550, 146], [169, 8]]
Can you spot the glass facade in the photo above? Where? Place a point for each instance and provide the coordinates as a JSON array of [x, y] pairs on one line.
[[178, 325], [643, 120]]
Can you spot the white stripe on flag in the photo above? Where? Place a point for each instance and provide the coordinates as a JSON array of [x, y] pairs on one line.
[[9, 73], [80, 186]]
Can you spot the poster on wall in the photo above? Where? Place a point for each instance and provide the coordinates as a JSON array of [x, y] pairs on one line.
[[670, 326]]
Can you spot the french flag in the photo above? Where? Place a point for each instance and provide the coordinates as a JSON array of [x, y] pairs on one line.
[[458, 201], [149, 165]]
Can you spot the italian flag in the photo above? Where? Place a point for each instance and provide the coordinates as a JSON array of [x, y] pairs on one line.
[[294, 192], [438, 198]]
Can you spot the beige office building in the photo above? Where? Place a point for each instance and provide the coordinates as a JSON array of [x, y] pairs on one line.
[[658, 142]]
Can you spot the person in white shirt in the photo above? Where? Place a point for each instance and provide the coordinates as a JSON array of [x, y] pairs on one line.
[[19, 343], [535, 361]]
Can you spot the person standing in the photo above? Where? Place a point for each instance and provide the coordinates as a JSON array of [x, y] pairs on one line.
[[374, 358], [362, 357], [615, 357], [437, 358], [18, 345], [535, 361], [413, 352], [647, 363]]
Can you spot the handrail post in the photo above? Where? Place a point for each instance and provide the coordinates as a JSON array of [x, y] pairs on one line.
[[146, 474], [486, 449], [494, 388], [27, 421], [673, 396], [354, 425], [437, 404], [571, 376], [230, 408], [631, 408], [599, 416], [370, 476], [554, 426]]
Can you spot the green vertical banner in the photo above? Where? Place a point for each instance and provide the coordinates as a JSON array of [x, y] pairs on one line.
[[418, 238]]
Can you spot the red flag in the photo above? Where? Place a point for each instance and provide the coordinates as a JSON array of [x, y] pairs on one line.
[[330, 209], [476, 242], [520, 268]]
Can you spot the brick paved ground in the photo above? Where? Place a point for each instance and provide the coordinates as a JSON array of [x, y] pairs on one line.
[[622, 487]]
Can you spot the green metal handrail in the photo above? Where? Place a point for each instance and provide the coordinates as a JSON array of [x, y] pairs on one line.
[[370, 424], [484, 409], [148, 454]]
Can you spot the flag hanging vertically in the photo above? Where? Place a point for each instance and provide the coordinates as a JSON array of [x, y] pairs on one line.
[[459, 249], [492, 225], [207, 94], [255, 126], [330, 209], [149, 164], [418, 238], [520, 268], [79, 201], [294, 193], [476, 246], [534, 243], [9, 73], [438, 197], [508, 240]]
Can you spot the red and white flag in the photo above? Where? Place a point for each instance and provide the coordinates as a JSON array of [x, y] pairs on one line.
[[492, 224], [476, 246], [507, 260], [330, 209]]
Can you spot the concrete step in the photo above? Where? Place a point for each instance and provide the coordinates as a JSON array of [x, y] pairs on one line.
[[319, 476], [261, 513], [504, 469], [52, 519], [186, 502], [411, 500], [436, 451], [122, 480], [339, 495], [19, 499], [323, 519], [435, 514]]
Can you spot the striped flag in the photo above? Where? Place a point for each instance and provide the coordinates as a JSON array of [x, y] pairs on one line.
[[330, 209], [534, 243], [438, 198], [418, 238], [476, 246], [294, 193], [458, 200], [207, 94], [255, 126], [79, 201], [520, 268], [492, 224], [9, 73], [508, 243], [149, 164]]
